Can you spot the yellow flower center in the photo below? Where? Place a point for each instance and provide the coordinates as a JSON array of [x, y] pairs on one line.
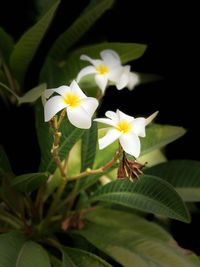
[[72, 100], [124, 127], [102, 69]]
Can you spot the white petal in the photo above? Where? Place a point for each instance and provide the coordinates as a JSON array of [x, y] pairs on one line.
[[151, 117], [85, 71], [77, 90], [123, 79], [52, 106], [112, 115], [109, 138], [134, 80], [131, 144], [114, 74], [48, 93], [101, 81], [110, 58], [61, 90], [79, 117], [106, 121], [90, 104], [124, 117], [94, 62], [139, 126]]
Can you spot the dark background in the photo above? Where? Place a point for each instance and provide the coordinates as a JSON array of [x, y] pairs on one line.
[[171, 34]]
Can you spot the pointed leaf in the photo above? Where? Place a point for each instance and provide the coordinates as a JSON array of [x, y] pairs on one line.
[[131, 244], [66, 40], [149, 194], [6, 45], [32, 95], [29, 182], [28, 44], [184, 175], [159, 136], [126, 51], [88, 147], [81, 258]]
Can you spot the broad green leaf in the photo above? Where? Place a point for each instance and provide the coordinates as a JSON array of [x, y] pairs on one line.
[[184, 175], [157, 136], [32, 95], [28, 44], [132, 241], [126, 51], [32, 254], [10, 248], [70, 135], [88, 147], [6, 45], [150, 194], [152, 158], [52, 74], [80, 26], [74, 257], [125, 220], [29, 182], [4, 163]]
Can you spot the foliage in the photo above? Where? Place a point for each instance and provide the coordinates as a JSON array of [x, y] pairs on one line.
[[85, 206]]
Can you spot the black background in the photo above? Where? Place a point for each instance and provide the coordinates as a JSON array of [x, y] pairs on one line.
[[171, 33]]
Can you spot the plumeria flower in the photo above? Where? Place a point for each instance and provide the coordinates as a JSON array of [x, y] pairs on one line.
[[107, 69], [79, 107], [125, 128]]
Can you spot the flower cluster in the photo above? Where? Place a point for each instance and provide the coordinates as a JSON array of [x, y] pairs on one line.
[[80, 108]]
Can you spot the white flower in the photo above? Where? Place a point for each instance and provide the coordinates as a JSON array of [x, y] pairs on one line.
[[125, 128], [107, 69], [128, 79], [79, 107]]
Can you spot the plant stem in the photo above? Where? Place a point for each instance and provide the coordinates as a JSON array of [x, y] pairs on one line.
[[89, 171], [9, 219]]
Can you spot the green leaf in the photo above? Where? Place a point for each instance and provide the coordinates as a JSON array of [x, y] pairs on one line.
[[28, 44], [88, 147], [6, 45], [67, 39], [32, 95], [159, 136], [184, 175], [10, 247], [55, 262], [52, 74], [149, 194], [4, 163], [73, 257], [126, 51], [125, 220], [17, 251], [29, 182], [133, 241], [32, 254], [70, 135]]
